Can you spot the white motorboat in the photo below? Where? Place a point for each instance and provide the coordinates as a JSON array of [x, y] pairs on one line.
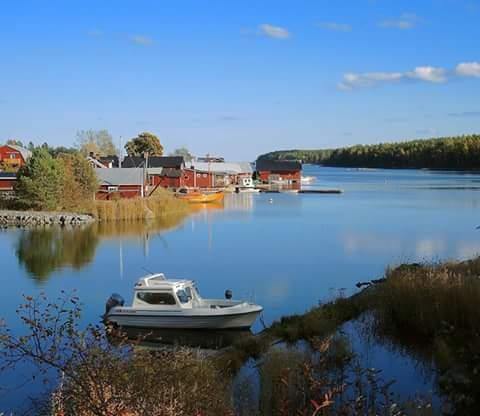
[[246, 185], [307, 180], [159, 302]]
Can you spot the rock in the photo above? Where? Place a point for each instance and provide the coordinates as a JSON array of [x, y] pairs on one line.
[[36, 218]]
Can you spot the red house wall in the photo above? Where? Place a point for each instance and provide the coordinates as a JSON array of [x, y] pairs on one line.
[[166, 182], [124, 192], [203, 179], [7, 184], [264, 175], [6, 152]]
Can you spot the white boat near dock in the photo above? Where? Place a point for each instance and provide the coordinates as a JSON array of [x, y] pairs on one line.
[[159, 302]]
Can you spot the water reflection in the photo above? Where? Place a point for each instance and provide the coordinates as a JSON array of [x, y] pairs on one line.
[[158, 338], [43, 251]]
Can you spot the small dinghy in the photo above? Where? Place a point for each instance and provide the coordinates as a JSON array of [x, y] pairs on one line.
[[159, 302]]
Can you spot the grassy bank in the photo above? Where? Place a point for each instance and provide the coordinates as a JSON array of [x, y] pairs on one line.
[[161, 204]]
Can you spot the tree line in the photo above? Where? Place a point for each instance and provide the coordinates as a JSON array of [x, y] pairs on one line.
[[456, 153]]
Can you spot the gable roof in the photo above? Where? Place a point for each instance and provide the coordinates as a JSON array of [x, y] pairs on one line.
[[154, 162], [26, 154], [278, 165], [120, 176]]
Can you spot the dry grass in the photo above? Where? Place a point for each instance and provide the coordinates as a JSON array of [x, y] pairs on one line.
[[161, 204]]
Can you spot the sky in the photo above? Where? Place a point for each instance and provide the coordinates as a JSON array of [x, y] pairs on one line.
[[240, 78]]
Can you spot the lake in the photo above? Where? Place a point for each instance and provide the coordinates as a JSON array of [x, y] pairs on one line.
[[285, 251]]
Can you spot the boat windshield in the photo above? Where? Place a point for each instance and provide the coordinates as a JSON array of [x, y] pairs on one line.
[[182, 296]]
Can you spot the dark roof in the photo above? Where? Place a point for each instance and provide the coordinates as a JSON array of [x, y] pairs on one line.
[[154, 162], [278, 165], [105, 160]]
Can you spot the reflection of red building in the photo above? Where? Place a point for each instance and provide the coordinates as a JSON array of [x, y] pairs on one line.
[[271, 171], [13, 156]]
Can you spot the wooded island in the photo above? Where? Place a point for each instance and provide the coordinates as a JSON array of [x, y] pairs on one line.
[[455, 153]]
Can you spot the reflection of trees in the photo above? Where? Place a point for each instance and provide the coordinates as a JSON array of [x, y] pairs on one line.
[[45, 250]]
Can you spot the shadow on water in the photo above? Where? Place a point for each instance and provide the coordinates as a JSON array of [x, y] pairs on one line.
[[159, 338], [42, 251]]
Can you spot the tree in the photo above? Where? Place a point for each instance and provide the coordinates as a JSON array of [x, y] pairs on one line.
[[79, 181], [40, 181], [100, 142], [183, 151], [15, 142], [144, 143]]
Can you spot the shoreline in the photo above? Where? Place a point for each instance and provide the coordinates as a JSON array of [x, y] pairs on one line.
[[16, 218]]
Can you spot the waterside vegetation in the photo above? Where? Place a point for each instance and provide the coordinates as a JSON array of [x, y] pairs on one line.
[[428, 310], [67, 182], [455, 153]]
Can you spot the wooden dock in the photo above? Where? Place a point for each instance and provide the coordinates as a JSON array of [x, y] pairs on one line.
[[302, 191], [320, 191]]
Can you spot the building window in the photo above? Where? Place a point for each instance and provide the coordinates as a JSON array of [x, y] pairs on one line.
[[157, 298], [204, 175]]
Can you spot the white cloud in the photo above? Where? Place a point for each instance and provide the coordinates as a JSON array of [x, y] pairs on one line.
[[275, 32], [353, 80], [428, 73], [468, 69], [141, 40], [335, 26], [404, 22]]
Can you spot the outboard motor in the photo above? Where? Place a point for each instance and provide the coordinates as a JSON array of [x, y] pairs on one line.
[[114, 300], [228, 294]]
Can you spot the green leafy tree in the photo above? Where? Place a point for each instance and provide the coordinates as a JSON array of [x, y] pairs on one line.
[[100, 142], [40, 181], [183, 151], [144, 143]]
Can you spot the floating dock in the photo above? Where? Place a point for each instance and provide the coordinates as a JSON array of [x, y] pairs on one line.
[[320, 191]]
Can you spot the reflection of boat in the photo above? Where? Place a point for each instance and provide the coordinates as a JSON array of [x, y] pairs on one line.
[[162, 303], [158, 338], [200, 197], [306, 180]]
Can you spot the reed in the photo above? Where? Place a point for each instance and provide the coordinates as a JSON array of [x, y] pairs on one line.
[[161, 204]]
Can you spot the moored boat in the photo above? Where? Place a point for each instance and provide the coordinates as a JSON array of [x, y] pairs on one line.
[[200, 197], [159, 302]]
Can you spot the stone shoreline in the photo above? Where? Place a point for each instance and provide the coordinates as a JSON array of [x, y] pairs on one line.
[[39, 218]]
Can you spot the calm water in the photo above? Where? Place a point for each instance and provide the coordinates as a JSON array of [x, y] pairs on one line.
[[285, 251]]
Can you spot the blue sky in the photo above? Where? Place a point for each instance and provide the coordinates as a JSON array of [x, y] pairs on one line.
[[238, 78]]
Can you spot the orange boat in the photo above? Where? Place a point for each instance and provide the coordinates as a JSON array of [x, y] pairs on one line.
[[201, 197]]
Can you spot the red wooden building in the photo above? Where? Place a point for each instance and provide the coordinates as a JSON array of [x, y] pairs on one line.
[[162, 171], [120, 183], [281, 171], [13, 156], [7, 181]]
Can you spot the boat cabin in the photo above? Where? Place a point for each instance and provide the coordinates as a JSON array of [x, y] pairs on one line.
[[156, 290]]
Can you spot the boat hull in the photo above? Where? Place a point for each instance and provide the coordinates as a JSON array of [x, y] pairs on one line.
[[201, 198], [150, 319]]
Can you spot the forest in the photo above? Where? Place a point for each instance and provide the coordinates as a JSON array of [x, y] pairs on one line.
[[456, 153]]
